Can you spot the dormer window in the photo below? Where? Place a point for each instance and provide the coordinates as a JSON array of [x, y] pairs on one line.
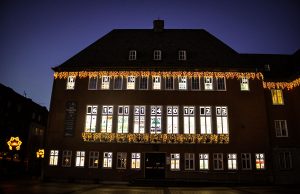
[[157, 55], [132, 55], [182, 55]]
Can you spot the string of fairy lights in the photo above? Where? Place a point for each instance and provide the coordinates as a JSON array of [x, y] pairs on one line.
[[189, 74]]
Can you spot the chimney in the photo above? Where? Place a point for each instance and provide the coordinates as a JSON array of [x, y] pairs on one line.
[[158, 25]]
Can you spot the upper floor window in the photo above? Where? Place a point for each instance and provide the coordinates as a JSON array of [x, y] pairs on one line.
[[143, 83], [132, 55], [93, 82], [277, 97], [208, 83], [195, 83], [222, 120], [71, 82], [105, 83], [172, 119], [221, 83], [189, 119], [156, 82], [182, 83], [182, 55], [281, 128], [123, 114], [130, 82], [91, 118], [157, 55], [285, 160], [139, 119], [205, 119], [118, 82], [53, 159], [244, 84], [155, 119], [169, 83], [107, 117]]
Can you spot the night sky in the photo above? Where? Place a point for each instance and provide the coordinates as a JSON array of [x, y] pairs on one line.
[[38, 35]]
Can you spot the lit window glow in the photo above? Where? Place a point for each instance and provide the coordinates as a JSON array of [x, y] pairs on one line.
[[107, 117], [208, 83], [277, 97], [107, 160], [71, 82], [175, 161], [139, 119], [203, 161], [222, 120], [189, 119], [80, 155], [156, 82], [130, 82], [205, 119], [155, 120], [136, 160], [232, 161], [260, 161], [244, 84], [91, 118], [182, 83], [53, 159], [123, 117], [93, 159], [105, 82]]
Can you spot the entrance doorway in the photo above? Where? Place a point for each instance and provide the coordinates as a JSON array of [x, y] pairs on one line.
[[155, 165]]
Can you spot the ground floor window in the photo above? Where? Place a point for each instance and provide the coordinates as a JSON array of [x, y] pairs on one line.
[[175, 161], [189, 159], [80, 155], [135, 160], [285, 160], [260, 161], [107, 159], [246, 161], [203, 161], [93, 159], [232, 161], [121, 160], [218, 161], [66, 158], [53, 159]]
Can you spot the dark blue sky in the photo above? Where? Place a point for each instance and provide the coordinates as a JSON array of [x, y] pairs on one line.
[[38, 35]]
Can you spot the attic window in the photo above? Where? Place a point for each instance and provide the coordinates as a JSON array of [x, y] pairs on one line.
[[157, 55], [182, 55], [267, 67], [132, 55]]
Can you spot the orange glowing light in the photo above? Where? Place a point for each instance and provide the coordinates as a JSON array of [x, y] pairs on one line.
[[14, 142]]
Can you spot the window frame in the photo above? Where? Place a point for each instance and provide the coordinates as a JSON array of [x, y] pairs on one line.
[[175, 158], [156, 115], [121, 160], [135, 159], [132, 55], [232, 161], [218, 83], [157, 55], [155, 84], [95, 84], [205, 128], [131, 84], [123, 126], [105, 82], [224, 124], [218, 159], [168, 81], [244, 84], [171, 113], [121, 84], [277, 97], [191, 119], [137, 115], [260, 162], [80, 159], [285, 162], [280, 126], [107, 160], [211, 83], [71, 80], [93, 159], [182, 55], [189, 160], [53, 157], [204, 161], [180, 83], [108, 116], [66, 155], [193, 83], [246, 159], [141, 81]]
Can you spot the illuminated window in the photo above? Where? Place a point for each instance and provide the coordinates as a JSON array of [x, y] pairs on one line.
[[232, 161], [260, 161], [155, 121], [66, 158], [182, 55], [93, 159], [172, 119], [139, 119], [222, 120], [136, 160], [205, 119], [277, 97], [203, 161], [208, 83], [157, 55], [221, 83], [118, 82], [169, 83], [53, 159], [143, 83], [182, 83], [132, 55], [91, 118], [285, 160], [93, 83], [107, 117], [105, 82], [246, 161], [121, 160], [218, 161], [107, 160], [281, 128], [123, 114], [244, 84], [189, 119], [130, 82], [80, 155], [156, 82], [189, 161], [195, 83], [175, 161], [71, 82]]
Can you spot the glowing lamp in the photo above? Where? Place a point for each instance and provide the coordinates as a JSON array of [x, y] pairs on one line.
[[40, 153], [14, 143]]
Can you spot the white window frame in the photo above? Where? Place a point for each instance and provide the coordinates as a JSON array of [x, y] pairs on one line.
[[94, 85], [172, 119], [123, 119], [203, 161], [80, 157], [281, 129], [189, 161], [182, 83], [245, 84], [285, 160], [136, 161], [71, 82], [93, 159], [260, 161], [105, 82], [189, 120], [156, 82], [182, 55], [115, 80], [157, 55], [156, 117], [218, 162], [139, 119], [232, 161], [91, 118], [222, 120], [194, 83], [66, 158], [246, 161], [132, 55], [218, 80], [107, 160], [175, 161], [205, 119], [107, 118], [130, 82], [168, 86], [53, 158], [208, 83], [141, 82], [277, 97], [121, 160]]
